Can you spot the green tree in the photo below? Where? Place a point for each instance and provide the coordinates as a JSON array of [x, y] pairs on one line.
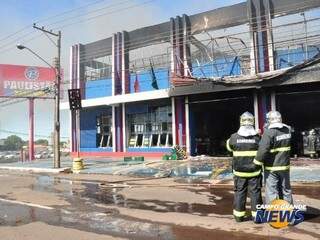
[[13, 142], [42, 142]]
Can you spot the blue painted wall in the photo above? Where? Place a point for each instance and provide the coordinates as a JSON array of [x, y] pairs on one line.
[[218, 68], [145, 79], [291, 57], [106, 149], [88, 129], [98, 88]]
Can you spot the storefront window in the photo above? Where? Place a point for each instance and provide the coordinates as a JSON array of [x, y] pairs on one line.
[[151, 128], [104, 131]]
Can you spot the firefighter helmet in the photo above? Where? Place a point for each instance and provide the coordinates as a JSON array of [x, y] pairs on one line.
[[246, 119], [312, 132], [274, 117]]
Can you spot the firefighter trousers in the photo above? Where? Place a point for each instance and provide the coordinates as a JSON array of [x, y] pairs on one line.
[[278, 186], [243, 185]]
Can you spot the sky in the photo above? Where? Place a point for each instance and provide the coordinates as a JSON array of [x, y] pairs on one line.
[[17, 16]]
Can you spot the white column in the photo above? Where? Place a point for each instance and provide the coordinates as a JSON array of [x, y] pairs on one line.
[[173, 122], [273, 101], [256, 110], [187, 125], [114, 128], [113, 64], [124, 127]]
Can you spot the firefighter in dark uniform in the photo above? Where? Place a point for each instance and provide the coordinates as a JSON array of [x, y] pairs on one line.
[[247, 176], [274, 155]]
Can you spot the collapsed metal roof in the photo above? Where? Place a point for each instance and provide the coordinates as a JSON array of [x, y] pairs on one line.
[[211, 20], [306, 72]]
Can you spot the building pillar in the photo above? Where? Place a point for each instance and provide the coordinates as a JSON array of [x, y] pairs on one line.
[[261, 55], [120, 65], [173, 111], [256, 109], [187, 65], [180, 121], [114, 149], [187, 122], [125, 76], [75, 76], [264, 106], [118, 128], [117, 64], [181, 67], [124, 128], [273, 101]]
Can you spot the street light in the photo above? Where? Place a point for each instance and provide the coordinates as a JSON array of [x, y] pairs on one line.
[[57, 102], [21, 47]]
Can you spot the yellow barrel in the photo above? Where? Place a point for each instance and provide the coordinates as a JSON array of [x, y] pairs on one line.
[[77, 164]]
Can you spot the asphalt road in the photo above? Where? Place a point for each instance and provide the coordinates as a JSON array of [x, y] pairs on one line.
[[88, 206]]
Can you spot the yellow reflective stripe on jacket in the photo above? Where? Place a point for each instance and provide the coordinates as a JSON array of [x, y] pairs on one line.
[[228, 146], [246, 174], [253, 213], [239, 213], [281, 149], [255, 161], [244, 153], [277, 168]]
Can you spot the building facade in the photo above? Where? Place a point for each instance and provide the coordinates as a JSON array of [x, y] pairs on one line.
[[186, 81]]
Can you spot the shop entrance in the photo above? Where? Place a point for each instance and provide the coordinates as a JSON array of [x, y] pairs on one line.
[[213, 118], [301, 111]]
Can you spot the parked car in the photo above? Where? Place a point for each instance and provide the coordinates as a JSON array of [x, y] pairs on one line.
[[9, 156], [38, 156]]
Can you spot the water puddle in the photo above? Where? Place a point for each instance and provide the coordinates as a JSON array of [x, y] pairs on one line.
[[98, 222], [220, 198]]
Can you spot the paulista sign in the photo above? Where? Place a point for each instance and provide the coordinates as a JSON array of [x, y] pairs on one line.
[[26, 81]]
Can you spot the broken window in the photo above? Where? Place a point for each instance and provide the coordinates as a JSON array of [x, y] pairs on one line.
[[151, 127], [104, 131]]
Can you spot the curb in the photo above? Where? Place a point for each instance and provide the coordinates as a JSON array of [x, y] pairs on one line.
[[37, 170]]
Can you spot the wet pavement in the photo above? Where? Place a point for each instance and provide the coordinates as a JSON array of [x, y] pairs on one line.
[[96, 206], [302, 170]]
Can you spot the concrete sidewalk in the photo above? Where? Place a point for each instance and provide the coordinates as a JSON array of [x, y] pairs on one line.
[[204, 168]]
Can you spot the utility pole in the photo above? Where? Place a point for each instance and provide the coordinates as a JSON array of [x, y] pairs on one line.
[[57, 66]]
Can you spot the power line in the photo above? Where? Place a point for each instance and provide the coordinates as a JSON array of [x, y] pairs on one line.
[[48, 18], [63, 26], [281, 11]]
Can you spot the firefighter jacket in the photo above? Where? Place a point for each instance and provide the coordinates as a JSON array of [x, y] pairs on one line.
[[274, 148], [244, 149]]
